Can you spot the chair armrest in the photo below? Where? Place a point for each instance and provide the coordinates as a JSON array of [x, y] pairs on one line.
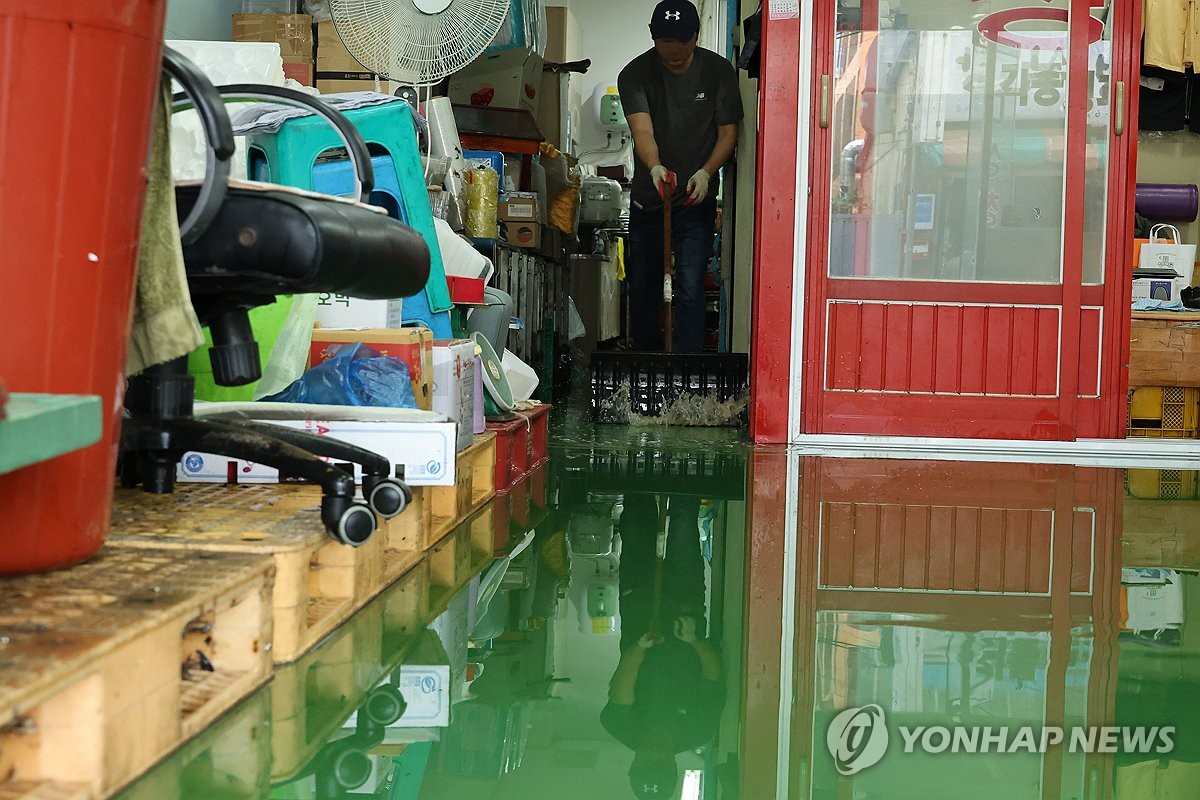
[[219, 141], [360, 158]]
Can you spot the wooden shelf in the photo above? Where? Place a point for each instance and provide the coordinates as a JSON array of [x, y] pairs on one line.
[[41, 426]]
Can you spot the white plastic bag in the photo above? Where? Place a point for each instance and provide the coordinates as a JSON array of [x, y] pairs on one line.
[[1160, 253]]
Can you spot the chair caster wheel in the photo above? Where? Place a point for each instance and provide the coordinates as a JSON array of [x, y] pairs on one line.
[[347, 521], [384, 705], [387, 497]]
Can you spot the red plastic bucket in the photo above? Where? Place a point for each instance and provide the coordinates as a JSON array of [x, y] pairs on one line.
[[80, 79]]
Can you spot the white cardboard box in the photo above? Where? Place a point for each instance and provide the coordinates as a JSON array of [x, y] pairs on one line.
[[506, 79], [340, 311], [426, 449], [426, 689], [454, 385], [1158, 288]]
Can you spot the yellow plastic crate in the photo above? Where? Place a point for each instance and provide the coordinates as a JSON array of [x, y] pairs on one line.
[[1168, 412], [1163, 484]]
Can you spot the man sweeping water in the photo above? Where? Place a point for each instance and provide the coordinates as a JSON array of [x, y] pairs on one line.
[[683, 108]]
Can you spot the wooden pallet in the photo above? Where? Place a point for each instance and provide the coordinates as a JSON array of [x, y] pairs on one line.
[[319, 582], [108, 666], [43, 790], [454, 561], [229, 759], [475, 485], [274, 734], [311, 698]]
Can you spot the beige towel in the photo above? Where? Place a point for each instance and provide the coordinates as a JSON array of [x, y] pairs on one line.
[[164, 323]]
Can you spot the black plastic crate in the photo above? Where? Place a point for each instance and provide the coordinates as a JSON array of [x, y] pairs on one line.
[[656, 381], [715, 474]]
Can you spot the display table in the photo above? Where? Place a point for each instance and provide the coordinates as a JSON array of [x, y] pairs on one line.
[[1164, 348]]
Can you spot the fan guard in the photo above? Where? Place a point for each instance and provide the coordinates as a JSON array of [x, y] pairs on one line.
[[417, 42]]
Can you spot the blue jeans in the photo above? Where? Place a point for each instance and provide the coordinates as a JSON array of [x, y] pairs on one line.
[[692, 239]]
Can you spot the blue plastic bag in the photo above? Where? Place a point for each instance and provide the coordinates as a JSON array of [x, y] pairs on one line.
[[355, 376]]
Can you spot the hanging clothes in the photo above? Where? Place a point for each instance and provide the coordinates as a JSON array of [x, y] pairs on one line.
[[1171, 34]]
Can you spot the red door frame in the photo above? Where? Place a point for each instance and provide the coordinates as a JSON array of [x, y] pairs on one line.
[[775, 231], [776, 266]]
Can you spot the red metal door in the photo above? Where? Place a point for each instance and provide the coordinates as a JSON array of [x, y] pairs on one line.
[[971, 177]]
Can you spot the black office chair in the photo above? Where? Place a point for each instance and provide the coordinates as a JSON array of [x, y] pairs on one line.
[[243, 244]]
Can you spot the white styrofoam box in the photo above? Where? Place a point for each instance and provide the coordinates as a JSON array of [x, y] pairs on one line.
[[1158, 288], [340, 311], [426, 449], [222, 63], [426, 689], [454, 385]]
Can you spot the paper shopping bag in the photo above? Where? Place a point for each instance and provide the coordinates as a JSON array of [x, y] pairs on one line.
[[1160, 253]]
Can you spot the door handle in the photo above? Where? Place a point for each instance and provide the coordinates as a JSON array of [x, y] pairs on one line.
[[1119, 112], [824, 101]]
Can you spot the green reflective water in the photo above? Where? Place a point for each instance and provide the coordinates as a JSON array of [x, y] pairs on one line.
[[966, 607]]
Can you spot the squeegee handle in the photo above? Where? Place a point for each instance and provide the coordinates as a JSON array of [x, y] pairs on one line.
[[668, 263]]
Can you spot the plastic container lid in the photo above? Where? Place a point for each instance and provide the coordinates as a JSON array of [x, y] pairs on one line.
[[494, 379], [522, 379]]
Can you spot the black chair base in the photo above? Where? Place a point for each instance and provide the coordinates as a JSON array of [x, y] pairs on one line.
[[159, 428]]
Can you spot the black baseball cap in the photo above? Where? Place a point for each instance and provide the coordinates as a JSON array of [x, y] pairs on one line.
[[653, 775], [675, 19]]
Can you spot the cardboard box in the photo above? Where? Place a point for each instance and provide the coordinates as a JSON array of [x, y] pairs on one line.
[[426, 689], [518, 207], [413, 346], [1158, 288], [454, 385], [340, 311], [337, 70], [564, 36], [426, 450], [292, 32], [524, 234], [508, 79]]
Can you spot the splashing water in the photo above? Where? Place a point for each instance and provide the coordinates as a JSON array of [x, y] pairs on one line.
[[702, 411]]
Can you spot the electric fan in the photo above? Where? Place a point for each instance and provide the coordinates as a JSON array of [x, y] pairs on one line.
[[417, 42]]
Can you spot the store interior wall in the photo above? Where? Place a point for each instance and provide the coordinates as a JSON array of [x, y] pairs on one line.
[[614, 33], [209, 21], [742, 266]]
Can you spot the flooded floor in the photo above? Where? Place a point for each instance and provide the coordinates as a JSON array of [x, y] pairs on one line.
[[672, 614]]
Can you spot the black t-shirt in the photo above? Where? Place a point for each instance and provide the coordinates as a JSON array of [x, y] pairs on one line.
[[686, 111], [670, 695]]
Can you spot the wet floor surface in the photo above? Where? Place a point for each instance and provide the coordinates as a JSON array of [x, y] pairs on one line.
[[672, 614]]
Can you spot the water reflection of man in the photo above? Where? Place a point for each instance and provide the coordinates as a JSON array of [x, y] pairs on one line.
[[665, 696]]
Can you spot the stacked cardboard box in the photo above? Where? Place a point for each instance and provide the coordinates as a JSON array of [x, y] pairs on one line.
[[337, 70], [519, 211]]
